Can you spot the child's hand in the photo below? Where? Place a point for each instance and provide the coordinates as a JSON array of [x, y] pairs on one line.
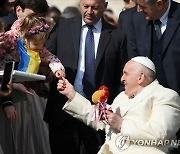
[[59, 74]]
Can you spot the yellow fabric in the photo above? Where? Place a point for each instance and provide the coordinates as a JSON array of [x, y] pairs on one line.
[[34, 62]]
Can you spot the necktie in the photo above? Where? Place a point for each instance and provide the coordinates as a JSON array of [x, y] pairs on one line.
[[89, 74], [157, 25]]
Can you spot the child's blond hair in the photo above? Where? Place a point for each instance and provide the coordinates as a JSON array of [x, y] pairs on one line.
[[35, 28]]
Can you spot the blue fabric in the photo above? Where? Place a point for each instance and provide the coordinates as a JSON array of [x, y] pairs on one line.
[[24, 57], [89, 74]]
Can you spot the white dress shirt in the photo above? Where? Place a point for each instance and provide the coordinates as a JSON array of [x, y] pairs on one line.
[[81, 62], [164, 19]]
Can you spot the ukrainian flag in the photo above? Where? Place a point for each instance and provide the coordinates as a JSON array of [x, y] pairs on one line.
[[29, 59]]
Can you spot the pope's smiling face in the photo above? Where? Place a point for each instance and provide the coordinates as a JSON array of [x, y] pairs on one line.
[[130, 78]]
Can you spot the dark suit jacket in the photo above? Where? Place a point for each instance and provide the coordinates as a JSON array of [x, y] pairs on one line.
[[124, 19], [64, 42], [141, 40], [9, 20]]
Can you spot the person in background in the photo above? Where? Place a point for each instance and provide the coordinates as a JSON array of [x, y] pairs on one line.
[[10, 111], [154, 31], [129, 4], [32, 56], [2, 10], [125, 15], [9, 6], [110, 17], [86, 72], [71, 12], [5, 94], [29, 108], [54, 14], [144, 111], [9, 91], [124, 20], [10, 16], [153, 18], [6, 7]]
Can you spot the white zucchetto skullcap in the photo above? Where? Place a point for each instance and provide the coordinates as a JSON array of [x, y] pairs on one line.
[[145, 61]]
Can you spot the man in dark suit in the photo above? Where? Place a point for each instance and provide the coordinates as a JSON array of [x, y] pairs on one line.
[[124, 19], [129, 4], [164, 52], [67, 41], [160, 42]]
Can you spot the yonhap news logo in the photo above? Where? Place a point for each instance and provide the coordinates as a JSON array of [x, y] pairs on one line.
[[123, 142]]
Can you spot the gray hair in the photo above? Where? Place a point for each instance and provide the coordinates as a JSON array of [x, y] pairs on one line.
[[70, 12]]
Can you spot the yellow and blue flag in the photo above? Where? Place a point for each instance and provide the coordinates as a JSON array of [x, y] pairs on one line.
[[29, 60]]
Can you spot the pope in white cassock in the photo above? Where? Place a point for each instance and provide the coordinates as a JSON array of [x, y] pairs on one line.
[[145, 117]]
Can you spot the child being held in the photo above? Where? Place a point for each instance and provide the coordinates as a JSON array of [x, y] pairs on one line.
[[25, 44]]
